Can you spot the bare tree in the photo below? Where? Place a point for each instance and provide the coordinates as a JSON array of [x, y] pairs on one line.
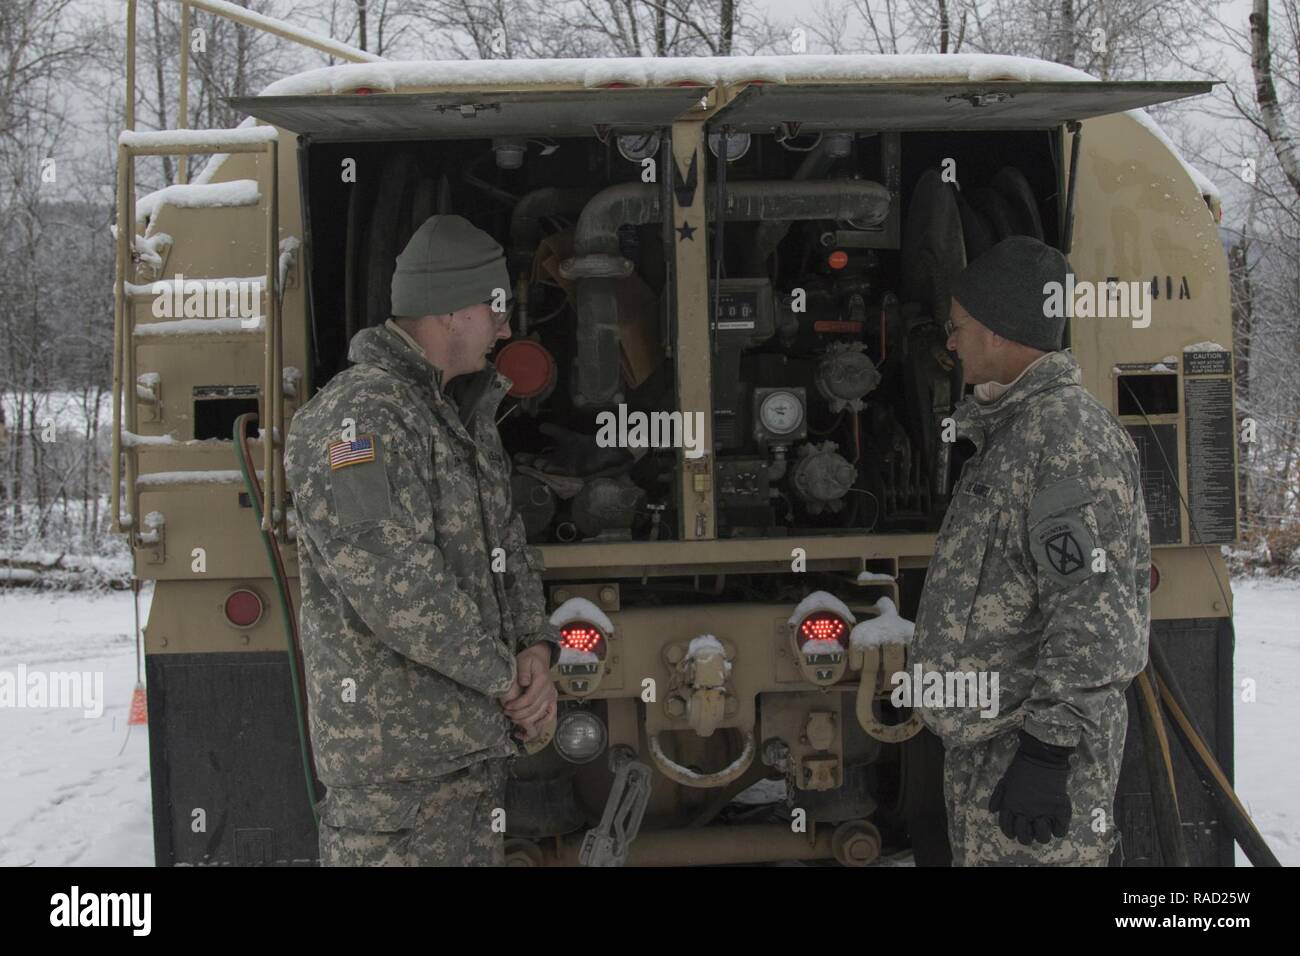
[[1271, 113]]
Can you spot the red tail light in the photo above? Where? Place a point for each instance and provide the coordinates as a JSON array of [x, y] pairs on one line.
[[243, 608], [824, 626], [581, 636]]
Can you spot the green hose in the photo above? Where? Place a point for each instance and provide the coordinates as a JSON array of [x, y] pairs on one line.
[[282, 586]]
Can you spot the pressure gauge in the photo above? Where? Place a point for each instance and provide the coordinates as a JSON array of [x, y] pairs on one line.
[[635, 147], [780, 415], [737, 145]]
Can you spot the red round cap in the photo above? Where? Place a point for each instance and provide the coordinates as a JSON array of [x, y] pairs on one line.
[[528, 365], [243, 608]]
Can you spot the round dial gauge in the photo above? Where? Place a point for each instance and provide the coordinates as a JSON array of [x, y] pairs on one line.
[[635, 147], [737, 145], [781, 413]]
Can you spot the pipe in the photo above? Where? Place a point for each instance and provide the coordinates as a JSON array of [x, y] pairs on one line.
[[130, 68], [596, 368], [1067, 226], [711, 846], [183, 109], [283, 29], [526, 217], [769, 234], [121, 341]]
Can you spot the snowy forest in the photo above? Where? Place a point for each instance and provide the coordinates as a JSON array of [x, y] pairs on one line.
[[62, 105]]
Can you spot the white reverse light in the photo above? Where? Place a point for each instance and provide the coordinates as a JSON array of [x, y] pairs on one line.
[[580, 736]]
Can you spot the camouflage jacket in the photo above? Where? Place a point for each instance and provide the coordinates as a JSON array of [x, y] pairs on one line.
[[409, 626], [1041, 570]]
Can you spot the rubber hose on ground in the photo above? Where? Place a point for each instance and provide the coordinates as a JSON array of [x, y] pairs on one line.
[[1160, 771], [1211, 774]]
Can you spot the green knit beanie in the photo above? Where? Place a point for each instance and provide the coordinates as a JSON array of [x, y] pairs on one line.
[[448, 265]]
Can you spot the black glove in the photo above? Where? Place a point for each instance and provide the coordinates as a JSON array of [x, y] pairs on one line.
[[1031, 799]]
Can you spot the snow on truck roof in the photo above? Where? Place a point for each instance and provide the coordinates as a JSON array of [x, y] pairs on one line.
[[398, 75], [390, 76]]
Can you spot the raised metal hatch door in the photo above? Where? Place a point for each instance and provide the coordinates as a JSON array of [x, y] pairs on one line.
[[466, 115], [965, 105]]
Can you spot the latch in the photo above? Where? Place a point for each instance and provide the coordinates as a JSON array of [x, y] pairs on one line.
[[468, 110], [983, 99]]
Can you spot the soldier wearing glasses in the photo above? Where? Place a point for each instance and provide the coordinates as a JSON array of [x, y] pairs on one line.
[[1040, 573]]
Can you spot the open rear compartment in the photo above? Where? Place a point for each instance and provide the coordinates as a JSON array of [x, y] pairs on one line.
[[830, 378], [831, 246], [830, 381]]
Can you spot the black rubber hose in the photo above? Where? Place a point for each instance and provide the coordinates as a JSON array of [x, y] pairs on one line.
[[1164, 793], [1207, 768]]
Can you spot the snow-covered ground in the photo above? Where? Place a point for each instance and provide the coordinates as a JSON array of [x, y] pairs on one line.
[[72, 794], [1268, 652]]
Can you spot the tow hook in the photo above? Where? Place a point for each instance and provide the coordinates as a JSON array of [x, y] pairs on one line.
[[699, 685]]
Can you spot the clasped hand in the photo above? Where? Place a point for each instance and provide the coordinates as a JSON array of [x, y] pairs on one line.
[[530, 702]]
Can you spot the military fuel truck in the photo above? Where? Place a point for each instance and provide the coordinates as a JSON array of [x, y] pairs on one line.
[[740, 265]]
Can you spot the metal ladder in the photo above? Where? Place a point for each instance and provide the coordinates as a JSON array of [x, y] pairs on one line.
[[254, 139], [183, 143]]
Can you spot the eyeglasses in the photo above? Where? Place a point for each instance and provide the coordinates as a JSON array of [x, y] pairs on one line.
[[501, 319]]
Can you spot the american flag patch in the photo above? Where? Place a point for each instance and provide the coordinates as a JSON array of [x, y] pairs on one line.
[[344, 453]]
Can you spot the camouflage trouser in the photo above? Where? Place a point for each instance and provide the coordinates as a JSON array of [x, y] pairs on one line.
[[448, 823], [970, 774]]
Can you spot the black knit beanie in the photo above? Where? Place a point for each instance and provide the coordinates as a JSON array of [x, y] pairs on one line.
[[1006, 291]]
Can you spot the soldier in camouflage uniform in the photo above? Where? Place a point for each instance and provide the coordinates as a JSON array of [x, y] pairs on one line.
[[423, 624], [1040, 574]]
